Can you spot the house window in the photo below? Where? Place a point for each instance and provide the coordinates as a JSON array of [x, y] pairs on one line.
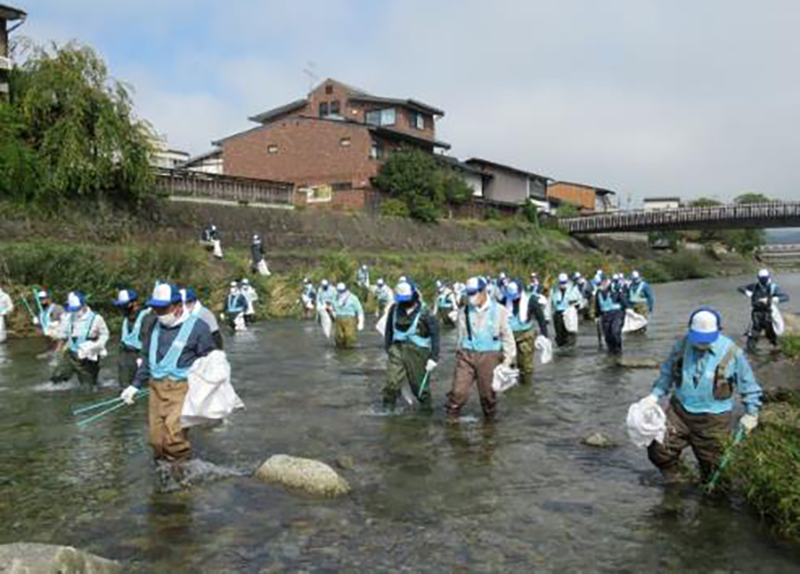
[[377, 151], [385, 117], [416, 120], [335, 108], [342, 186], [272, 149], [323, 109], [328, 89], [344, 142]]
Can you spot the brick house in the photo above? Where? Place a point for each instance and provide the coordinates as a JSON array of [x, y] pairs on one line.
[[587, 198], [8, 15], [331, 143]]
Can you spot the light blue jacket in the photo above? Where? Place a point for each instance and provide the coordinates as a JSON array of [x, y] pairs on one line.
[[559, 302], [696, 391], [640, 292], [350, 307]]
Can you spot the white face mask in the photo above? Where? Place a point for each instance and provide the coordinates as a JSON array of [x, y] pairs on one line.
[[474, 300], [169, 320]]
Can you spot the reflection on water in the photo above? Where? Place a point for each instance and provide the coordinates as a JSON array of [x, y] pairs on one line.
[[520, 495]]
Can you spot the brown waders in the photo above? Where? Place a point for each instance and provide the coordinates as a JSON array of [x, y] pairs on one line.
[[407, 363], [346, 330], [525, 351], [170, 442], [126, 366], [473, 367], [705, 433], [69, 365], [642, 308]]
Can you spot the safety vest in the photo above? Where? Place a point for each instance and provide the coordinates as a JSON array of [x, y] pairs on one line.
[[445, 301], [132, 338], [485, 340], [168, 366], [712, 385], [44, 318], [637, 293], [561, 300], [759, 293], [347, 309], [607, 302], [234, 303], [410, 336], [75, 342], [520, 322]]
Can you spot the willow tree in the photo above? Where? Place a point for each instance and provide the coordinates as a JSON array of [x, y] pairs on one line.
[[76, 127]]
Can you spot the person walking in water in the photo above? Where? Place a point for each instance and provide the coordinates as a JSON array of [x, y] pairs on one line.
[[485, 340], [349, 316], [446, 305], [84, 338], [236, 306], [524, 311], [177, 339], [640, 295], [130, 341], [610, 304], [50, 315], [565, 300], [763, 294], [6, 307], [702, 374], [308, 298]]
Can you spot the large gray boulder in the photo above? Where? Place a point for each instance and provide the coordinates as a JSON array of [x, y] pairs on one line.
[[303, 474], [25, 558]]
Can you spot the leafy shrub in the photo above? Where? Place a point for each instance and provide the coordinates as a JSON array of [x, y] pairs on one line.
[[394, 208], [685, 265]]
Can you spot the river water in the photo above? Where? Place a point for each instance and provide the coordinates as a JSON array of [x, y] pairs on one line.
[[522, 495]]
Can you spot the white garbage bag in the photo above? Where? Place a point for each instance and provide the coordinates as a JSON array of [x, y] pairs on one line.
[[571, 319], [646, 423], [453, 316], [217, 248], [504, 378], [3, 333], [381, 325], [633, 321], [92, 350], [777, 320], [211, 396], [263, 269], [325, 322], [545, 348], [239, 323]]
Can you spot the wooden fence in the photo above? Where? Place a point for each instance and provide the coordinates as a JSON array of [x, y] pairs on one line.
[[187, 185]]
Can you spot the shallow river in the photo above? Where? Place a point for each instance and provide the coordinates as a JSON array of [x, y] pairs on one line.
[[522, 495]]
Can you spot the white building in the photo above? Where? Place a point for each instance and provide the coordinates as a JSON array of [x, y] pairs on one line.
[[209, 162], [659, 203], [166, 157]]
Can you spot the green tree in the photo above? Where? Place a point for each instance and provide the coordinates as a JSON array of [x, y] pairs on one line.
[[74, 127], [752, 197], [705, 202], [422, 183]]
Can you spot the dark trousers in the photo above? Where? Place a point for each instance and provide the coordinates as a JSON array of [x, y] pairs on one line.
[[705, 433], [473, 368], [126, 366], [612, 322], [407, 365], [69, 365], [762, 321], [563, 337]]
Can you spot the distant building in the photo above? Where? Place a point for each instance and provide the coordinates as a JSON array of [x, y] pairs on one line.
[[587, 198], [331, 143], [657, 203], [209, 162], [510, 185], [10, 19], [471, 175], [166, 157]]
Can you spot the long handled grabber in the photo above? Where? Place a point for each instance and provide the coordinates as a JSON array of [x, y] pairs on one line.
[[112, 404], [28, 307], [723, 463], [423, 385]]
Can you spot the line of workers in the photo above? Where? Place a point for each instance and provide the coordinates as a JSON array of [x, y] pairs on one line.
[[495, 322]]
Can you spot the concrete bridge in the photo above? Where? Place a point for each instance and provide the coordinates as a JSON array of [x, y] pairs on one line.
[[754, 216]]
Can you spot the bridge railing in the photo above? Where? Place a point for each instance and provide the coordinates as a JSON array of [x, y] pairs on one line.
[[641, 219], [190, 185]]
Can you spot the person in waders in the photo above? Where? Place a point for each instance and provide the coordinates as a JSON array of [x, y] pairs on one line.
[[764, 294], [640, 295], [176, 340], [523, 311], [349, 316], [130, 341], [485, 340], [84, 338], [411, 340], [701, 376], [564, 298], [446, 306], [610, 305]]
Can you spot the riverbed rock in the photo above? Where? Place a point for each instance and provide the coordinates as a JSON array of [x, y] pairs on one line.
[[27, 558], [303, 474], [345, 462], [598, 440], [637, 363]]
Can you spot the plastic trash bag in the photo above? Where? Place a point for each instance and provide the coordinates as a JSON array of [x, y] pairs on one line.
[[633, 321], [381, 324], [777, 320], [571, 319], [262, 268], [646, 423], [3, 333], [325, 322], [545, 348], [239, 323], [217, 248], [92, 350], [504, 378], [211, 396]]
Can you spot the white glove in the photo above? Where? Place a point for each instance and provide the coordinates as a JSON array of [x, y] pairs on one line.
[[748, 422], [36, 321], [128, 394], [361, 323], [775, 300], [649, 401], [139, 362], [430, 365]]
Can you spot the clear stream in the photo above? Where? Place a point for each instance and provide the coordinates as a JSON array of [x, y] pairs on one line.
[[522, 495]]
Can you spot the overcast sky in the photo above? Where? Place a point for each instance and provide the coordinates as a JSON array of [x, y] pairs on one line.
[[647, 97]]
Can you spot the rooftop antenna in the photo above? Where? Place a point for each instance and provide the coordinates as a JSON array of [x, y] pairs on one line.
[[311, 73]]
